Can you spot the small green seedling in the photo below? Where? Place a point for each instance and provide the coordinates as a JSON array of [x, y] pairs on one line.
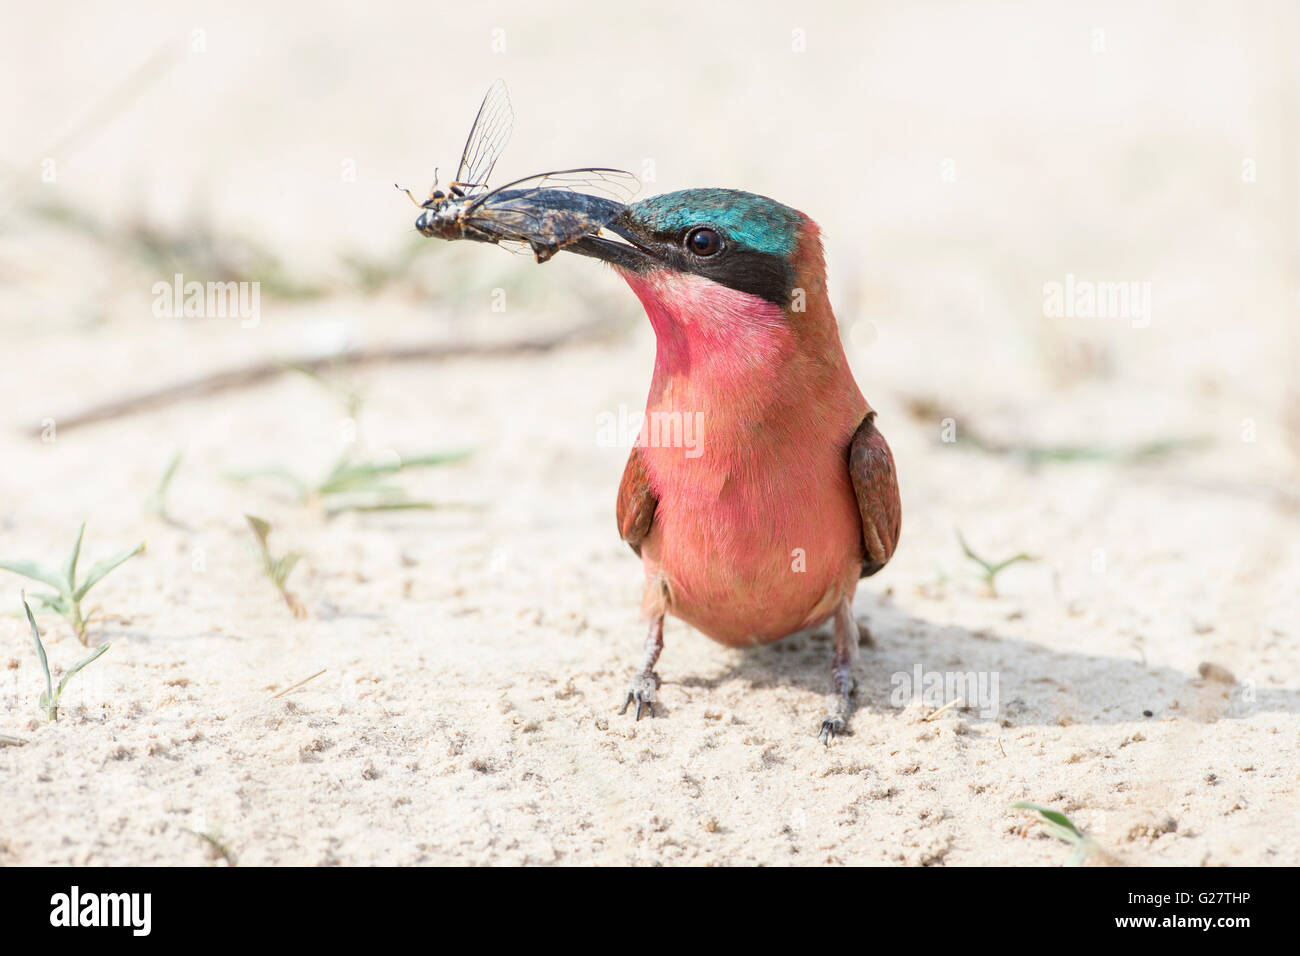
[[277, 570], [352, 484], [156, 504], [1059, 825], [992, 570], [216, 845], [50, 696], [1035, 455], [357, 485], [69, 593], [346, 393]]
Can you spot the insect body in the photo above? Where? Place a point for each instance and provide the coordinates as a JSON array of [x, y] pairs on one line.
[[545, 211]]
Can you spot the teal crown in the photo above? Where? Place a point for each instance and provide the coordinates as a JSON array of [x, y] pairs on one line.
[[747, 219]]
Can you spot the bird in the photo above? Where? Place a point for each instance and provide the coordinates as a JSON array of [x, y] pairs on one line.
[[786, 495]]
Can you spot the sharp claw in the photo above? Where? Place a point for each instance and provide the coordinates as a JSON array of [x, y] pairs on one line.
[[642, 693], [642, 705], [827, 733]]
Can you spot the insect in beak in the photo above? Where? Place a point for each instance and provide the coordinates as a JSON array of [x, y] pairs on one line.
[[546, 212]]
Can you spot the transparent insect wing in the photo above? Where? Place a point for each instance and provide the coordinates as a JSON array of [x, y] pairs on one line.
[[487, 139], [616, 184]]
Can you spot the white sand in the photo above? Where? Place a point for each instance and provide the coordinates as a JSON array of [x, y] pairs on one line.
[[474, 656]]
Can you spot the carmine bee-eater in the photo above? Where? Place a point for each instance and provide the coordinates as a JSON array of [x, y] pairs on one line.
[[765, 528], [790, 497]]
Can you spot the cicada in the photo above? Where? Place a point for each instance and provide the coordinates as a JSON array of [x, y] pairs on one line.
[[546, 211]]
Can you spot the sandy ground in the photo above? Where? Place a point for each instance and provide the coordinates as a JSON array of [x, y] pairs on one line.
[[473, 656]]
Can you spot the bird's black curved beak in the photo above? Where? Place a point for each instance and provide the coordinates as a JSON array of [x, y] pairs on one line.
[[627, 251], [562, 219]]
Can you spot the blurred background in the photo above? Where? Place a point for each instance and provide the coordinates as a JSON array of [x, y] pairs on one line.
[[962, 161], [972, 167]]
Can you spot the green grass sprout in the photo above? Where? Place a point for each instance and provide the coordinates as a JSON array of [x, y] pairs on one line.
[[991, 569], [927, 409], [348, 394], [215, 844], [156, 504], [68, 592], [277, 569], [352, 485], [50, 696], [1060, 826]]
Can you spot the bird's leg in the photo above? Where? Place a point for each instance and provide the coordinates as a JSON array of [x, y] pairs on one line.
[[839, 704], [645, 682]]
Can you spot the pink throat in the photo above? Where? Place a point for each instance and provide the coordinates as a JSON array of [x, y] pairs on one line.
[[709, 332], [763, 473]]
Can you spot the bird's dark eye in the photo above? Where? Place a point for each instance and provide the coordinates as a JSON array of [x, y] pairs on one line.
[[703, 241]]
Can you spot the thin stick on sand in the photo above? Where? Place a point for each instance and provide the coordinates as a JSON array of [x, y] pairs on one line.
[[300, 683], [250, 375], [942, 710]]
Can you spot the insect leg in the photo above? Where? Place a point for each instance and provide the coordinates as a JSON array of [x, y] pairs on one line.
[[408, 195]]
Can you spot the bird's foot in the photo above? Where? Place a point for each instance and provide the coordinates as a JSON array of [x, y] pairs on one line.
[[641, 691], [832, 725], [838, 708]]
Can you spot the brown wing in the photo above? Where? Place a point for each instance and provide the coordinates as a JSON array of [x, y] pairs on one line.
[[875, 483], [636, 503]]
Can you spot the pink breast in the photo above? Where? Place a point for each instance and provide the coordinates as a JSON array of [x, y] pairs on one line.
[[754, 553], [757, 532]]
